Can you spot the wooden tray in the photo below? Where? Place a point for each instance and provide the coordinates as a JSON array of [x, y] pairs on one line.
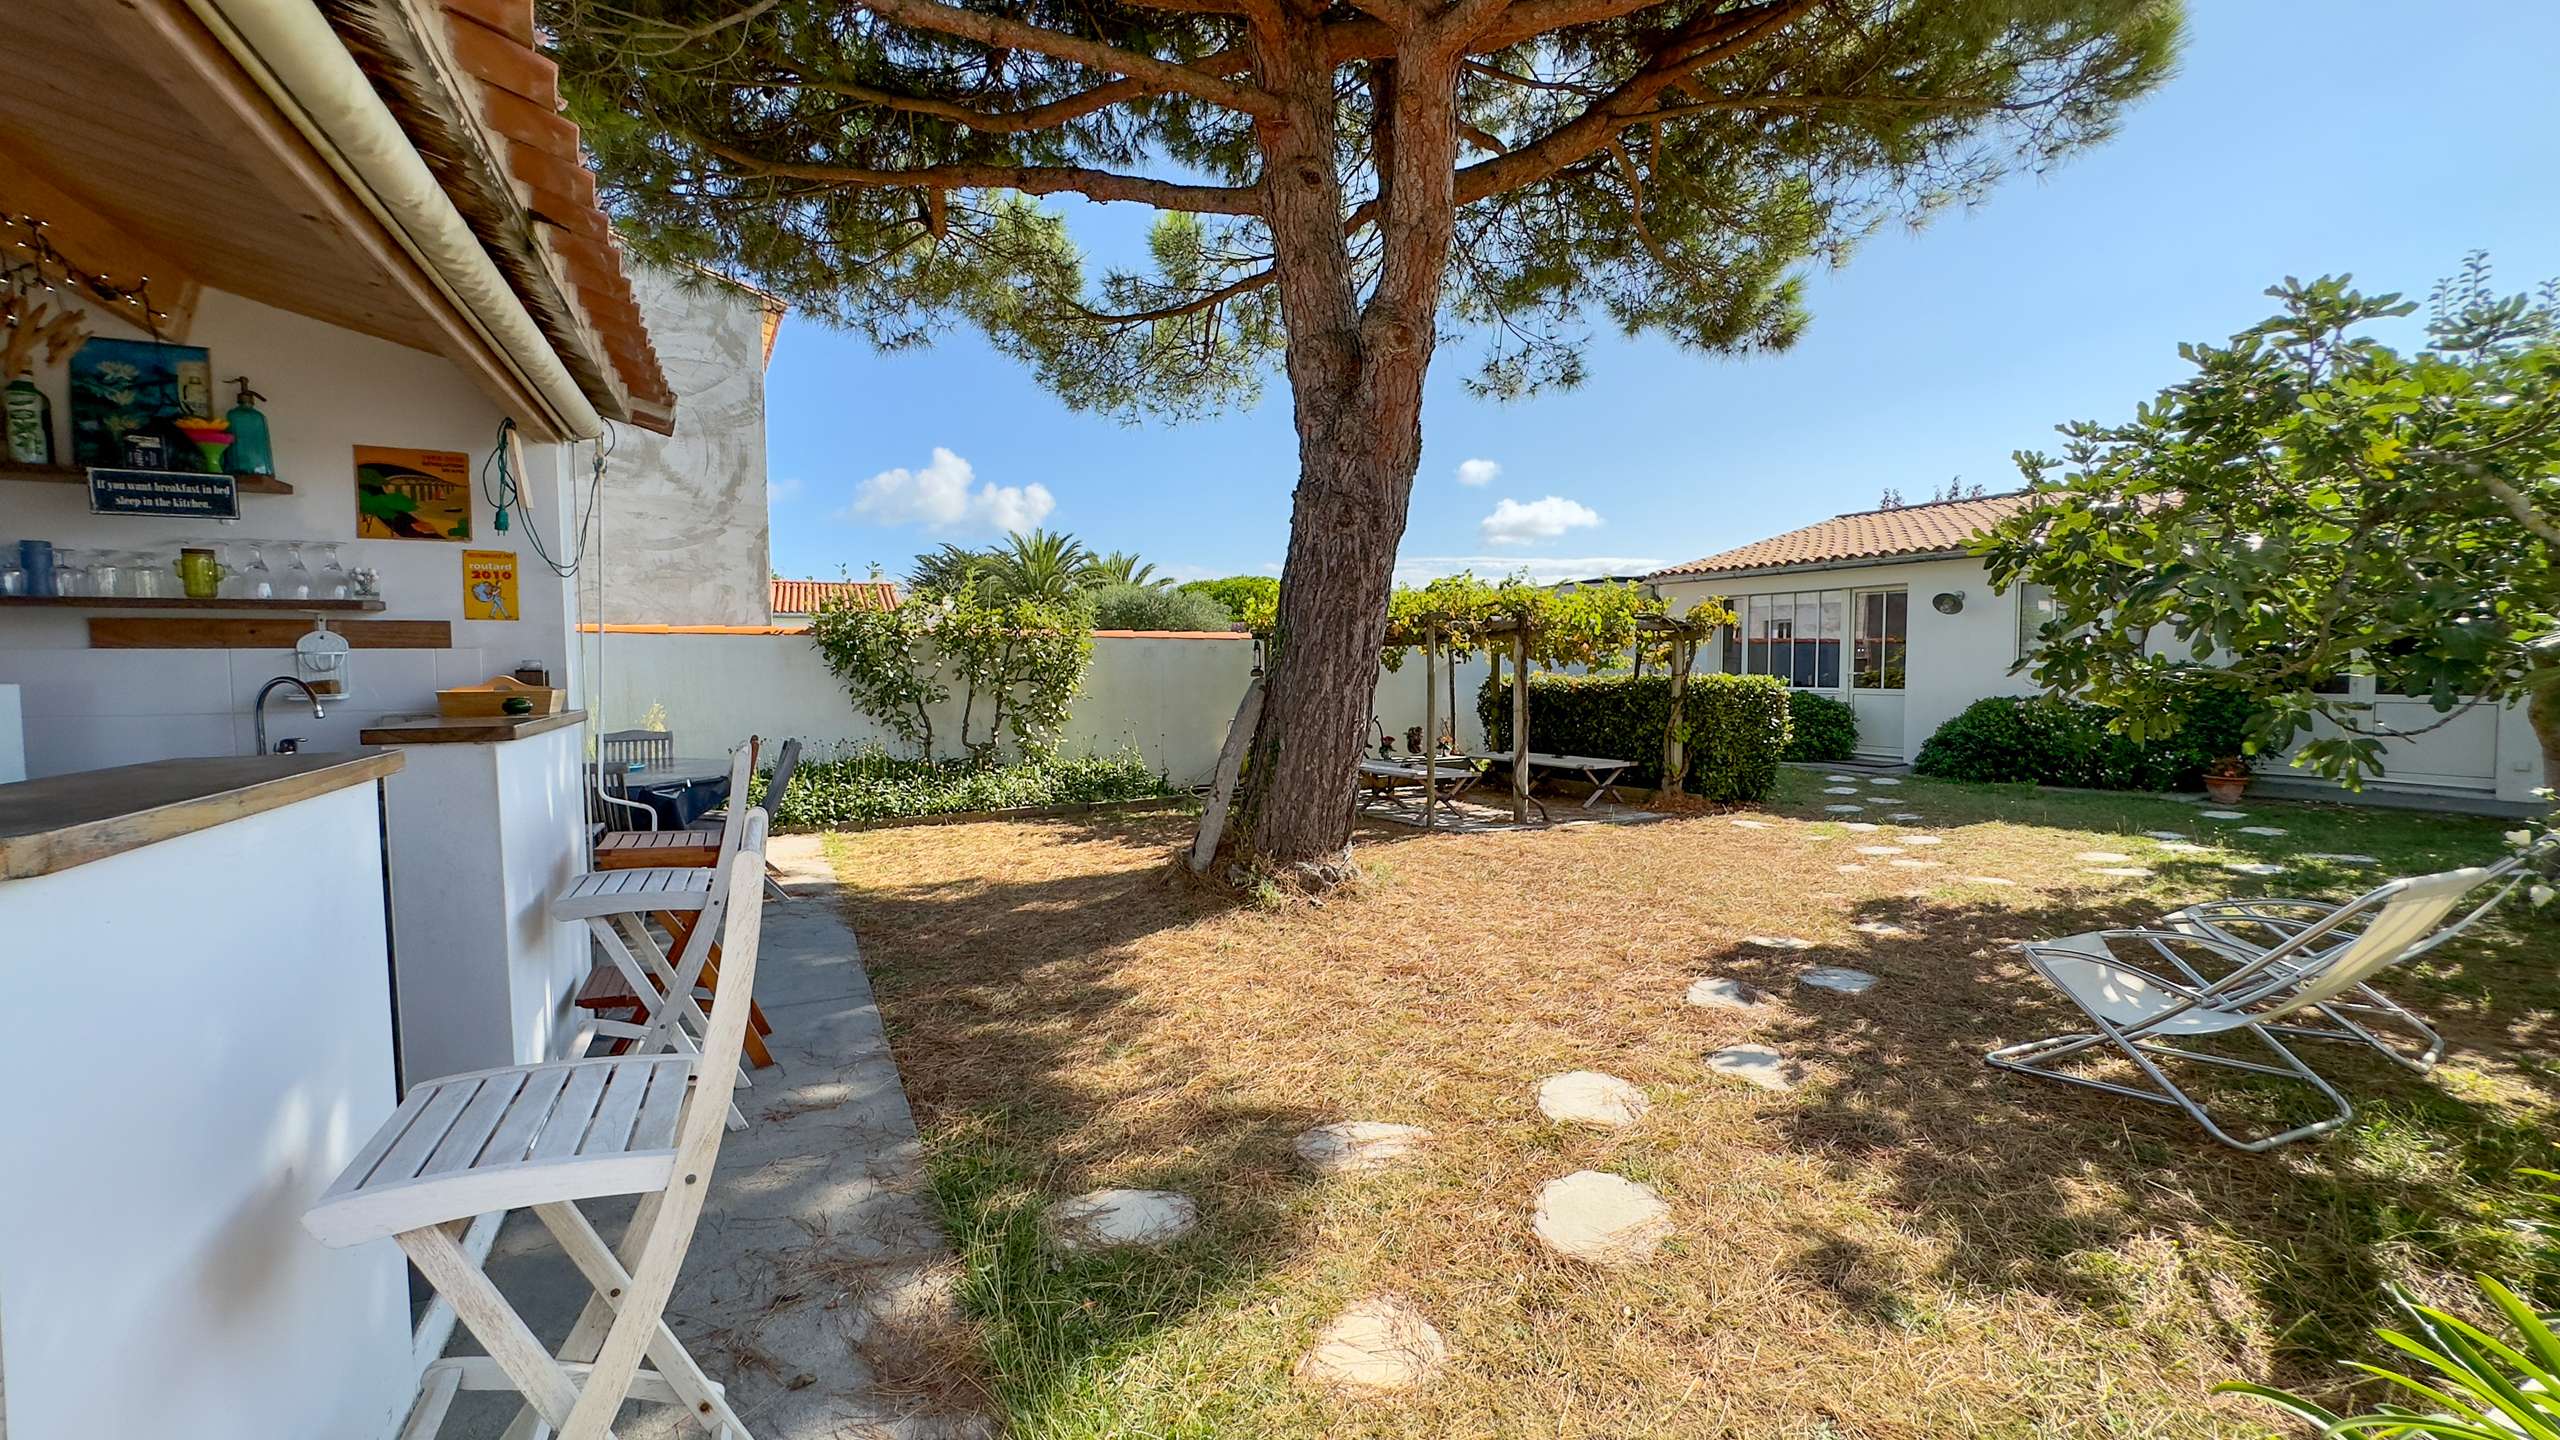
[[489, 701]]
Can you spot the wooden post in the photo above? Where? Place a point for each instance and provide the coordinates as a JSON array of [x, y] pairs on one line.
[[1213, 820], [1430, 727], [1520, 726], [1675, 756]]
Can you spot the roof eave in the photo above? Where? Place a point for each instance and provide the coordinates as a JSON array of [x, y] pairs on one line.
[[1858, 562]]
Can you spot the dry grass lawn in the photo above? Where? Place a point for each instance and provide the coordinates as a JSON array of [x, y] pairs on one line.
[[1908, 1245]]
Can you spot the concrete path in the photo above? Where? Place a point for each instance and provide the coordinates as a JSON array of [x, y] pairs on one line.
[[818, 1285]]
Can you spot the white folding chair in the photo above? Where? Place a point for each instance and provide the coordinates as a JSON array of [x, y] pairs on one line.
[[2139, 1010], [786, 764], [546, 1137], [2363, 1014], [617, 905]]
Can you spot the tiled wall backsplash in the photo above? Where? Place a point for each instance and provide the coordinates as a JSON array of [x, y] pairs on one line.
[[89, 709]]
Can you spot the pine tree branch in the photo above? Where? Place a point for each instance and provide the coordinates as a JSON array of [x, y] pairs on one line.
[[1094, 54], [1027, 179], [986, 122]]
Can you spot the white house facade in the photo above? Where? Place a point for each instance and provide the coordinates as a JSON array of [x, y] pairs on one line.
[[1889, 611]]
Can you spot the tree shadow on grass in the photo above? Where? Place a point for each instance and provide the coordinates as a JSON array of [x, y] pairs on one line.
[[1038, 1071], [2050, 1188]]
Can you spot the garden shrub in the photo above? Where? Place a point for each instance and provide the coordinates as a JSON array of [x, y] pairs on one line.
[[2053, 741], [870, 784], [1825, 729], [1149, 607], [1737, 725]]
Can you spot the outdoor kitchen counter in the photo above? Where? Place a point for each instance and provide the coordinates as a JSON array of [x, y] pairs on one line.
[[51, 825], [438, 730]]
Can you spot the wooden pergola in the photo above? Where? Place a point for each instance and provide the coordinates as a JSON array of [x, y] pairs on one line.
[[1684, 636]]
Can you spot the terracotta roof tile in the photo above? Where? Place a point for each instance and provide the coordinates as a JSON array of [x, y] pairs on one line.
[[1936, 528], [802, 597]]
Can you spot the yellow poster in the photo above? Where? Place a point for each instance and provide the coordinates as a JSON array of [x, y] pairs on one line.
[[489, 585], [412, 494]]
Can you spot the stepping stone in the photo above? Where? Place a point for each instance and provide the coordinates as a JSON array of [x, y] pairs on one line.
[[1753, 1065], [1848, 869], [1910, 864], [2223, 814], [2335, 858], [2181, 847], [1350, 1145], [1838, 978], [2262, 830], [1841, 779], [1902, 815], [1882, 780], [1880, 850], [1861, 827], [2102, 857], [1378, 1345], [1101, 1219], [1885, 928], [1716, 993], [1987, 880], [2121, 872], [1844, 809], [1587, 1097], [1918, 840], [1601, 1219], [1840, 790], [1777, 942], [2166, 834], [2253, 867], [1749, 824]]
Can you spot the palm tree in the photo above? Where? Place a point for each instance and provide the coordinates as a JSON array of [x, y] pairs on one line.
[[951, 571], [1121, 567], [1042, 565]]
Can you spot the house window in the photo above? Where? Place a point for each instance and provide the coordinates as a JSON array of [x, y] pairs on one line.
[[1794, 636], [2035, 608], [1883, 639]]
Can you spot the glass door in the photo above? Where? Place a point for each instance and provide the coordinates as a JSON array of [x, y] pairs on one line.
[[1879, 662]]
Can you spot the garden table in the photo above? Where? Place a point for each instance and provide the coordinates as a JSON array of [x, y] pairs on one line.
[[1601, 773], [682, 789]]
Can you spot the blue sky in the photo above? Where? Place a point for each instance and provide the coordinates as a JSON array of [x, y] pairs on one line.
[[2297, 138]]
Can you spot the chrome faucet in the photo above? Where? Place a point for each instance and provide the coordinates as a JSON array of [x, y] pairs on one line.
[[260, 710]]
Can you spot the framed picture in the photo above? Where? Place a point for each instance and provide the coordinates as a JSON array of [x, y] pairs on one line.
[[120, 387], [412, 494]]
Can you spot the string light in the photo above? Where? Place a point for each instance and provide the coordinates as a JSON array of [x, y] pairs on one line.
[[44, 265]]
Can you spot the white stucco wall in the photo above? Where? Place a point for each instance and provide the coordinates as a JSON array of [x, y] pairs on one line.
[[214, 1044], [330, 390], [684, 515], [1170, 698]]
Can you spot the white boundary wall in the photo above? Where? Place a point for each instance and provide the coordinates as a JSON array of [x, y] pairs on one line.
[[1169, 696]]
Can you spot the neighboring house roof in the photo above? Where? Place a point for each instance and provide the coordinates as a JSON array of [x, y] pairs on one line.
[[484, 107], [803, 597], [1940, 527]]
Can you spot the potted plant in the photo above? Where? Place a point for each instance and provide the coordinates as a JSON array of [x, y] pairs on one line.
[[2226, 779]]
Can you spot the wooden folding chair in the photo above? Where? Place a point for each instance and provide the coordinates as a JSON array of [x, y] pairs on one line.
[[546, 1137], [638, 974], [698, 843]]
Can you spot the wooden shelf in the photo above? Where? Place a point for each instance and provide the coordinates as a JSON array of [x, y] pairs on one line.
[[181, 602], [79, 475]]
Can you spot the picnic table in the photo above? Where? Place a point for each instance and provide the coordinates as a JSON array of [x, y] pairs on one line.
[[1600, 773], [1451, 775], [682, 789]]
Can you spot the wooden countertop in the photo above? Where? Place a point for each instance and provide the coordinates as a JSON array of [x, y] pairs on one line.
[[66, 820], [435, 730]]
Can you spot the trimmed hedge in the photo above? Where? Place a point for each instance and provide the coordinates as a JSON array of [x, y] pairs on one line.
[[1738, 726], [1825, 729], [2053, 741], [1149, 607], [871, 784]]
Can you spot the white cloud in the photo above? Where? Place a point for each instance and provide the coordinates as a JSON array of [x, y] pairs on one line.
[[939, 497], [784, 490], [1478, 472], [1513, 523], [1540, 569]]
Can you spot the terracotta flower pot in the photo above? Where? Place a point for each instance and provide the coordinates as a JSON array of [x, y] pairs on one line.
[[2225, 789]]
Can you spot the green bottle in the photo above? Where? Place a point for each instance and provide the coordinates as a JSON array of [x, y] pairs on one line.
[[30, 422], [251, 452]]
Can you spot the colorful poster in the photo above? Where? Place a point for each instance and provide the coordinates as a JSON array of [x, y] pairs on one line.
[[121, 387], [489, 585], [412, 494]]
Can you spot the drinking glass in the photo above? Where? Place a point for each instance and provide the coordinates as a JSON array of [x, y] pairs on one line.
[[335, 582], [296, 582], [70, 571], [257, 582], [149, 574], [106, 573]]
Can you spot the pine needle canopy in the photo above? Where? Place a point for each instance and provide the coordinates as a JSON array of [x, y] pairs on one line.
[[1669, 166]]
